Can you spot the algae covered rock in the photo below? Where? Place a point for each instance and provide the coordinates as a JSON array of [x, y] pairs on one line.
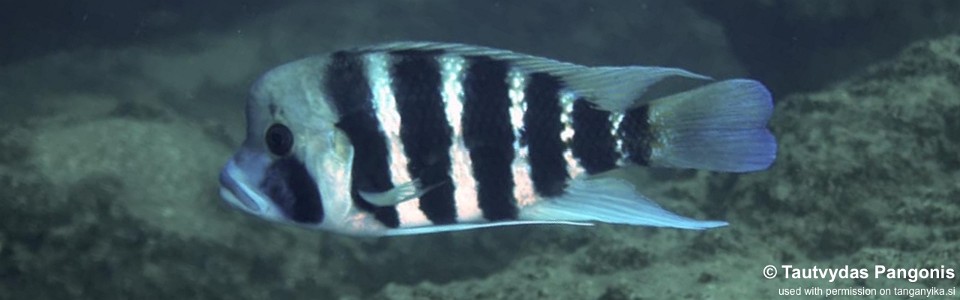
[[166, 167], [870, 162], [868, 172]]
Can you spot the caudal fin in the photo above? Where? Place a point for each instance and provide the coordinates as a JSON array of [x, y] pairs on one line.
[[717, 127]]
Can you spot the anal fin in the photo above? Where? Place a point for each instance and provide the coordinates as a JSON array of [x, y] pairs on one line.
[[608, 200], [472, 226]]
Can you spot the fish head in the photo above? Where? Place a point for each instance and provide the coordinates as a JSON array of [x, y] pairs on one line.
[[294, 165]]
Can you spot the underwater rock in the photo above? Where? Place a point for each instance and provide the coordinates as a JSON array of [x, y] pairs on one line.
[[83, 244], [871, 162], [97, 206], [167, 169]]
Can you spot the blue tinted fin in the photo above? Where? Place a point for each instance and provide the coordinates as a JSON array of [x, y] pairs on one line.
[[610, 88], [618, 89], [399, 193], [608, 200], [470, 226], [717, 127]]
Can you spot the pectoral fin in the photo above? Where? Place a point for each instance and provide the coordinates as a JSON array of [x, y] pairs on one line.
[[398, 194]]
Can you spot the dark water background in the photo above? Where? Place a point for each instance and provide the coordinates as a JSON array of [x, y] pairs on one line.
[[115, 117]]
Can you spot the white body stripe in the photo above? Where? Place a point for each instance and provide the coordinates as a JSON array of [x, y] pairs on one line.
[[523, 184], [615, 119], [461, 167], [566, 117], [385, 105]]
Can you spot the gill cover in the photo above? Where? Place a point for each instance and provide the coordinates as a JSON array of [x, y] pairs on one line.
[[273, 176]]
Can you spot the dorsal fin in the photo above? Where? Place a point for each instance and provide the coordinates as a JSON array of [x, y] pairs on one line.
[[610, 88]]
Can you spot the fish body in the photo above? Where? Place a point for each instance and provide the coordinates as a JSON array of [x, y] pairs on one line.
[[413, 137]]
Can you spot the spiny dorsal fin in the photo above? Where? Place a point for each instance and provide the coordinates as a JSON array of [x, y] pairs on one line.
[[610, 88]]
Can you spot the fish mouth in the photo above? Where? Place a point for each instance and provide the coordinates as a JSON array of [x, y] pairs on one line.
[[234, 190]]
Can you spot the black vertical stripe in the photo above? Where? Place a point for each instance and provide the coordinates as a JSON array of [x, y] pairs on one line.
[[488, 135], [347, 84], [290, 187], [424, 130], [594, 144], [636, 136], [541, 131]]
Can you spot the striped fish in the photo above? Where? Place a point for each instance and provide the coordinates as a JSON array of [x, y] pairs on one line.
[[414, 137]]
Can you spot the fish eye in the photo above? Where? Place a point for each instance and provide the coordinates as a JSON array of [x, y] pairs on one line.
[[279, 139]]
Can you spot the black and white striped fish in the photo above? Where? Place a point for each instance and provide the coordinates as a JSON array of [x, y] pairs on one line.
[[411, 138]]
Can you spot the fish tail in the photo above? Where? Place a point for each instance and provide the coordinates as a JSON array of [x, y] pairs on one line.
[[718, 127]]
